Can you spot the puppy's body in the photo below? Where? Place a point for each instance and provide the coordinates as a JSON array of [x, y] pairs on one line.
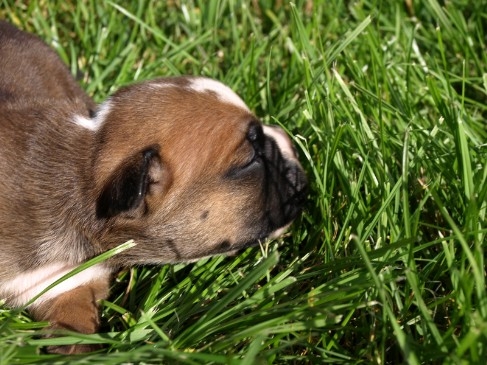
[[180, 165], [43, 166], [38, 96], [30, 70]]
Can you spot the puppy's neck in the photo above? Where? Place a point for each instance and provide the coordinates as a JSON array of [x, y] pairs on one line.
[[60, 181]]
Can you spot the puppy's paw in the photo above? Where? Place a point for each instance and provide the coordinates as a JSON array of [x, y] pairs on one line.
[[76, 311], [88, 325]]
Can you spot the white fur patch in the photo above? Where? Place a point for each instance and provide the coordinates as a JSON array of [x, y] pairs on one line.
[[24, 287], [279, 232], [161, 85], [84, 122], [282, 140], [93, 124], [223, 92]]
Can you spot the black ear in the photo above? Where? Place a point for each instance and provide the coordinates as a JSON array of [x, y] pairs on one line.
[[127, 187]]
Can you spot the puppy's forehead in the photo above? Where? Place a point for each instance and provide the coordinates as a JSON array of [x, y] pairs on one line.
[[223, 92], [198, 123]]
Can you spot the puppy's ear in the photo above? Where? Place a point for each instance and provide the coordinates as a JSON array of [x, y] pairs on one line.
[[127, 187]]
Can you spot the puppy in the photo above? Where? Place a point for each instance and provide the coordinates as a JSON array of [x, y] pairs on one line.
[[180, 165]]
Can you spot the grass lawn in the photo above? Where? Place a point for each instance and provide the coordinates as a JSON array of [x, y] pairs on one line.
[[387, 102]]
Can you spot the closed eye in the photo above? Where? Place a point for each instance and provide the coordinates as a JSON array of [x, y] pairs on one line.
[[253, 144], [255, 158]]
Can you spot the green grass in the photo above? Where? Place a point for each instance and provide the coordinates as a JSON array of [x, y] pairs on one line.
[[387, 104]]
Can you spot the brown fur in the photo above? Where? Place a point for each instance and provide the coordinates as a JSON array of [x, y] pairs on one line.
[[170, 167], [76, 310], [31, 70]]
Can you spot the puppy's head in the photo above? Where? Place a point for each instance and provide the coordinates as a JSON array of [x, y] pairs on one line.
[[184, 168]]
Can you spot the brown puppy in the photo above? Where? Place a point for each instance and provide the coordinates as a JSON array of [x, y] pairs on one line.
[[180, 165]]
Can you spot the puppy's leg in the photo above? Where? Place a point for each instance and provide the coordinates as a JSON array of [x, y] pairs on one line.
[[74, 310]]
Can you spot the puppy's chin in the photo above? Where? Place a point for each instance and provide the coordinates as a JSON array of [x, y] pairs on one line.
[[279, 232], [233, 253], [233, 250]]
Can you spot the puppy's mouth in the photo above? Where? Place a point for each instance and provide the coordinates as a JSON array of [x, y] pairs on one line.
[[232, 249]]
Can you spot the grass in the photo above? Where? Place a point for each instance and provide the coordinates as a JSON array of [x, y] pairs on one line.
[[387, 102]]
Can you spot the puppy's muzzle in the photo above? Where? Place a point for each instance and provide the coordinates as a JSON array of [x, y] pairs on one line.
[[288, 178]]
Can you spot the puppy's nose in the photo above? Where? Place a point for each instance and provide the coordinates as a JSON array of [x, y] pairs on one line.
[[282, 139]]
